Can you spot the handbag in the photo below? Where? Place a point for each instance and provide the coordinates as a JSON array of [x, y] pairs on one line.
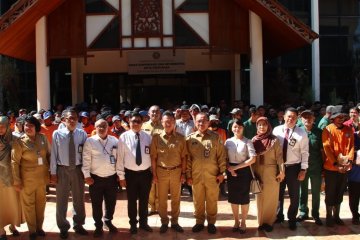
[[255, 186]]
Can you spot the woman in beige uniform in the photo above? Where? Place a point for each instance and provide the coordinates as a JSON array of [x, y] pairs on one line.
[[30, 161], [10, 208], [269, 167]]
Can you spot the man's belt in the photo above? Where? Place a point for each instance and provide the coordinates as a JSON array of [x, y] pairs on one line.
[[169, 168]]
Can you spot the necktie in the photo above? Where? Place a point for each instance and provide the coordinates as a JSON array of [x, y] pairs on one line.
[[138, 150], [72, 156], [285, 144]]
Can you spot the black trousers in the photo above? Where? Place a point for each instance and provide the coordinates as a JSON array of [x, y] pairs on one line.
[[335, 186], [293, 185], [103, 189], [138, 185], [354, 197]]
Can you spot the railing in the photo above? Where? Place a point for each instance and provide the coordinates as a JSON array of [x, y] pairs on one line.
[[15, 12]]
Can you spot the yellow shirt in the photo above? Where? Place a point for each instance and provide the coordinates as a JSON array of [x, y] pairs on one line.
[[152, 128], [207, 156], [168, 150]]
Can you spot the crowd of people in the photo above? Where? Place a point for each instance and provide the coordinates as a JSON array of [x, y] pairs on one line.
[[154, 152]]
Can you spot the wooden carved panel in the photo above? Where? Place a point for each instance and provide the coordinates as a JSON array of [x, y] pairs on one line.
[[146, 17]]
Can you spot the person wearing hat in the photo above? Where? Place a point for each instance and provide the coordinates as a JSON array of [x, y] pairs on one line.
[[47, 127], [338, 143], [295, 146], [214, 125], [125, 120], [85, 121], [205, 109], [236, 115], [206, 165], [184, 125], [19, 127], [353, 122], [152, 127], [117, 129], [168, 156], [250, 124], [325, 120], [144, 115], [194, 110], [314, 170]]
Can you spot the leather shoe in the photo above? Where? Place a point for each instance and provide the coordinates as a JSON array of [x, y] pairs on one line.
[[80, 230], [14, 232], [292, 225], [338, 221], [355, 221], [177, 228], [98, 232], [133, 230], [279, 220], [268, 228], [211, 228], [64, 234], [164, 228], [318, 221], [111, 227], [32, 236], [197, 228], [40, 233], [146, 227], [302, 218]]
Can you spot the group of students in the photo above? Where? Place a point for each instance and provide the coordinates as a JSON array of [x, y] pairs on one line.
[[153, 158]]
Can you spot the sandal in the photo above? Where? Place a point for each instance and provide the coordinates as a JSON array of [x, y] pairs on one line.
[[236, 227]]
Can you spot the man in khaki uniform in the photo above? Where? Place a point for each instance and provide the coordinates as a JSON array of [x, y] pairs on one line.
[[153, 127], [168, 160], [206, 166]]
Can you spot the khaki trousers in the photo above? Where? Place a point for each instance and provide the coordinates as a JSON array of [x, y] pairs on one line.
[[169, 182], [154, 198], [205, 196]]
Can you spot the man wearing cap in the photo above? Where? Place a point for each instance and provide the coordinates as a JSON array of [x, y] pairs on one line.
[[353, 122], [250, 124], [314, 170], [133, 168], [214, 125], [117, 130], [206, 165], [295, 146], [184, 125], [86, 125], [325, 120], [338, 142], [152, 127], [168, 156], [236, 115], [99, 169], [48, 128]]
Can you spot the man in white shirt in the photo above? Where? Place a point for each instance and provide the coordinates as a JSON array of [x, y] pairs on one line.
[[99, 168], [295, 145], [133, 167], [185, 125]]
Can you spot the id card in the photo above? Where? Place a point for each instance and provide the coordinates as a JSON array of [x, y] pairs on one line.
[[40, 161], [112, 159], [206, 153], [292, 142], [147, 150], [357, 162], [80, 148]]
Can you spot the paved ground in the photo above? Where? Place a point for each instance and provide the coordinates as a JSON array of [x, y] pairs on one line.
[[305, 230]]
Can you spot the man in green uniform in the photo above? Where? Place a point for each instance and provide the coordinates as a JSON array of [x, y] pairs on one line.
[[326, 119], [206, 166], [314, 171], [250, 125], [168, 160]]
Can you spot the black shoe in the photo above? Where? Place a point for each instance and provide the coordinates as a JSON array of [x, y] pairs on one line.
[[302, 218], [261, 228], [3, 237], [110, 227], [32, 236], [163, 228], [98, 232], [338, 221], [133, 230], [355, 221], [153, 213], [14, 232], [64, 234], [80, 230], [146, 227], [211, 228], [279, 220], [318, 221], [177, 228], [40, 233], [197, 228], [268, 228], [292, 225]]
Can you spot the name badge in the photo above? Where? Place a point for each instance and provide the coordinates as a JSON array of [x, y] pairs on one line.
[[206, 153], [80, 148], [292, 142], [147, 150], [357, 161], [112, 159], [40, 161]]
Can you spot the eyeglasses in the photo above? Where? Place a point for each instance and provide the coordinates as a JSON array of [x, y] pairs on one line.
[[136, 121]]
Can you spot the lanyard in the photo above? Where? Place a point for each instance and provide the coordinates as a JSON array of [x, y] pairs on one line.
[[104, 146]]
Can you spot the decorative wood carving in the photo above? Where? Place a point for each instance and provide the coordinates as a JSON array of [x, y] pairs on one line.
[[147, 16]]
